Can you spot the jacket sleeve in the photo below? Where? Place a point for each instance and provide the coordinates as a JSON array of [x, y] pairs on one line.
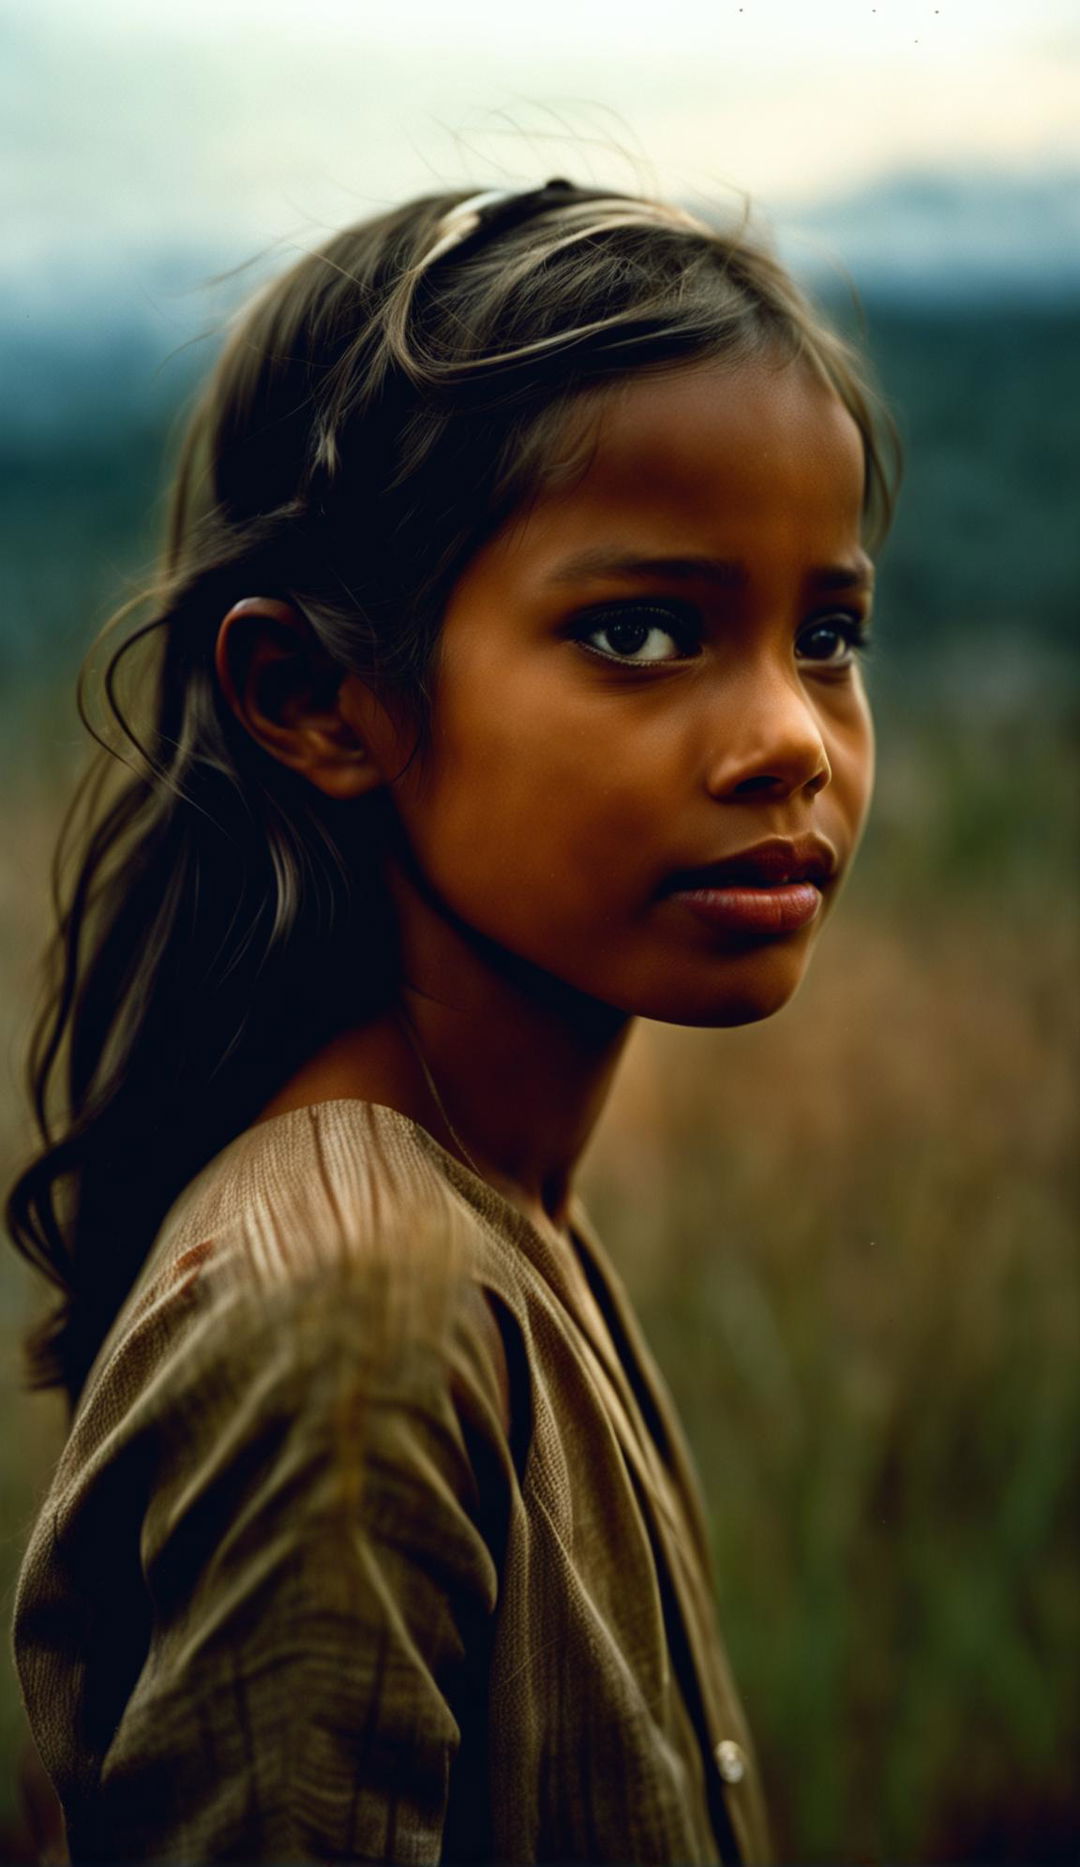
[[319, 1552]]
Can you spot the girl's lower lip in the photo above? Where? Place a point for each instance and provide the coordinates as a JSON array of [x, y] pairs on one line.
[[779, 910]]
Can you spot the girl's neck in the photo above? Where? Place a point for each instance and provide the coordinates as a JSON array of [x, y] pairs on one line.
[[507, 1069]]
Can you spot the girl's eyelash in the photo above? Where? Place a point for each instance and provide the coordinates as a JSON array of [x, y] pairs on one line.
[[684, 627], [850, 624], [681, 624]]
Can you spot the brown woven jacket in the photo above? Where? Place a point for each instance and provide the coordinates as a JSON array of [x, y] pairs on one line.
[[375, 1539]]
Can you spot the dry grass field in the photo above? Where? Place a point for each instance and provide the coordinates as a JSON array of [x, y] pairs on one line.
[[852, 1235]]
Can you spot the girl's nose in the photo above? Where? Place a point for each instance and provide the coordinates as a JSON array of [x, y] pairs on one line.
[[769, 745]]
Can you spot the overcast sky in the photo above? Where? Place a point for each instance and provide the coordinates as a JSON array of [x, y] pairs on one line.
[[126, 125]]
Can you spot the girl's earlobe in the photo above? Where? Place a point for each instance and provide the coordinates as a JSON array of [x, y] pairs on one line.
[[287, 692], [342, 774]]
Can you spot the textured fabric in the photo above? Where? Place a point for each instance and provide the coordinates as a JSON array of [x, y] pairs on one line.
[[375, 1538]]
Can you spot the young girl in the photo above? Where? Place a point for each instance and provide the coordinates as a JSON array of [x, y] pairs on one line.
[[506, 689]]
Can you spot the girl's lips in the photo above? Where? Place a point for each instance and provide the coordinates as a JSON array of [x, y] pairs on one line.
[[740, 908]]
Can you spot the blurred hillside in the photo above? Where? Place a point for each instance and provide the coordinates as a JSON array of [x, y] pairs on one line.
[[956, 236], [970, 305], [985, 537]]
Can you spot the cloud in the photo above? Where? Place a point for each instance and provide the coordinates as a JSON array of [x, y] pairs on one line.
[[128, 130]]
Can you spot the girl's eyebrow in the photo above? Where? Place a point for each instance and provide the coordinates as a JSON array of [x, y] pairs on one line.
[[728, 573]]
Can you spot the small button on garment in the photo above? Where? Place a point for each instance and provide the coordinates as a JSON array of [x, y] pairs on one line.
[[730, 1760]]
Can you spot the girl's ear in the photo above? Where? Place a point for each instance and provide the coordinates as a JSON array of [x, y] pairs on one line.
[[296, 702]]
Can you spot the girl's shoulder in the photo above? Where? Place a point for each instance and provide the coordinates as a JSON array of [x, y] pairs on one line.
[[354, 1198], [333, 1187], [330, 1238]]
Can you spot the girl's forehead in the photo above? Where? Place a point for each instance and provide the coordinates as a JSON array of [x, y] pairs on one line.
[[710, 445], [713, 413]]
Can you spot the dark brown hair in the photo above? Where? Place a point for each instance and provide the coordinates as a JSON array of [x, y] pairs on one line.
[[375, 414]]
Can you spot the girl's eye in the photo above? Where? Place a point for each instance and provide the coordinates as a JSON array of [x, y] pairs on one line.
[[638, 635], [834, 641]]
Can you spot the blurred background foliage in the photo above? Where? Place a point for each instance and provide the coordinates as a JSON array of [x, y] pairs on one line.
[[852, 1231]]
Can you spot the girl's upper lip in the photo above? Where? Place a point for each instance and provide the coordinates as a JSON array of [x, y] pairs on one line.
[[765, 865]]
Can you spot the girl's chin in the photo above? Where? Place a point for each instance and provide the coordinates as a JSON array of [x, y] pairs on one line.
[[730, 1014], [758, 994]]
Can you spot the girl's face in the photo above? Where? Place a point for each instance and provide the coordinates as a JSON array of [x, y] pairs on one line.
[[652, 673]]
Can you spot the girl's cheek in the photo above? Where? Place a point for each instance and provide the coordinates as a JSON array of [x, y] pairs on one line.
[[853, 770]]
